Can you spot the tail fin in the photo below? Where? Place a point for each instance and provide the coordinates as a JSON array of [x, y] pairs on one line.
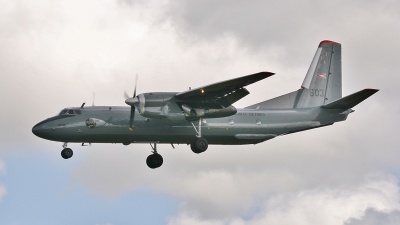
[[322, 84], [324, 77]]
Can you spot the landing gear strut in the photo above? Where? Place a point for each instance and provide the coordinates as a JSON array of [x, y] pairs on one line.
[[199, 144], [66, 153], [154, 160]]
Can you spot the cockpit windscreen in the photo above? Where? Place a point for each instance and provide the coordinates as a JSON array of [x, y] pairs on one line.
[[70, 112]]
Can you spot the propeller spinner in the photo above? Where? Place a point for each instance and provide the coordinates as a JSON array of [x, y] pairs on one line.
[[132, 101]]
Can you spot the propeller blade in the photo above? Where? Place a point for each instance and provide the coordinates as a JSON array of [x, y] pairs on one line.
[[134, 93], [131, 102], [126, 95], [131, 117]]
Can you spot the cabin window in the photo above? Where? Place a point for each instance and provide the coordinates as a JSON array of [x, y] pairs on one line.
[[258, 122], [231, 122]]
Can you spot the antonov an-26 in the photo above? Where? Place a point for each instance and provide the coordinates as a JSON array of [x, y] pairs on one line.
[[205, 115]]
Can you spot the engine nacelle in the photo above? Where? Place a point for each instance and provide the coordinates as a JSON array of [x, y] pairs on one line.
[[162, 106], [209, 113]]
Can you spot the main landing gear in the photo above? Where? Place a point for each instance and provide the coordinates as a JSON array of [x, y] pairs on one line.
[[199, 144], [66, 153], [154, 160]]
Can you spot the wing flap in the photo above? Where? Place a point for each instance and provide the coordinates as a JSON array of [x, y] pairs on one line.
[[233, 97]]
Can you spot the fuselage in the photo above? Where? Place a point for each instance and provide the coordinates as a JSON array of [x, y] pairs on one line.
[[101, 124]]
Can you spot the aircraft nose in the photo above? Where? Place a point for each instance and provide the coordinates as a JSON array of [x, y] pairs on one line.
[[39, 130], [36, 130]]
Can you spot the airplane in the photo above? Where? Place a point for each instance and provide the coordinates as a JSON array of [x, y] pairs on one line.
[[205, 115]]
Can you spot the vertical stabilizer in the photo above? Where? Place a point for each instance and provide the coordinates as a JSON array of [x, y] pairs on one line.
[[322, 84]]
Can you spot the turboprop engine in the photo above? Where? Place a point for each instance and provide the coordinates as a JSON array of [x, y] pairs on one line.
[[164, 106], [208, 113]]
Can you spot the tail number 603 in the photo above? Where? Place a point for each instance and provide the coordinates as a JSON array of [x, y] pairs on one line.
[[317, 92]]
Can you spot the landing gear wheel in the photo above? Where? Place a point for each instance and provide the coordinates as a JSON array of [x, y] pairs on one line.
[[67, 153], [199, 145], [154, 161]]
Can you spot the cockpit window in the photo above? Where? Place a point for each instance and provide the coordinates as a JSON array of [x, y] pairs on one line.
[[63, 112], [70, 112]]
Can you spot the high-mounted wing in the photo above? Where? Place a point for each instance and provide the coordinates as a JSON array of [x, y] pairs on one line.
[[224, 92]]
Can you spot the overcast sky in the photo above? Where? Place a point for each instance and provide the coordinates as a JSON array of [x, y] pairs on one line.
[[55, 54]]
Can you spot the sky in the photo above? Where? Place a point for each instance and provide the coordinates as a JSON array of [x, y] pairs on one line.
[[56, 54]]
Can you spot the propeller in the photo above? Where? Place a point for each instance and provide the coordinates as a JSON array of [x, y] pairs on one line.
[[132, 101]]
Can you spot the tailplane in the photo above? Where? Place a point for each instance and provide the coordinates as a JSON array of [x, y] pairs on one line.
[[322, 84], [351, 100]]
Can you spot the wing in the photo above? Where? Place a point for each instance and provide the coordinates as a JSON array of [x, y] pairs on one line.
[[225, 92]]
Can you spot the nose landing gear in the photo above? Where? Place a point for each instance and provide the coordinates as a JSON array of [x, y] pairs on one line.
[[66, 153]]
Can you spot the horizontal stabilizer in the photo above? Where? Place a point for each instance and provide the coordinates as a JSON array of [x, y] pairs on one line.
[[351, 100]]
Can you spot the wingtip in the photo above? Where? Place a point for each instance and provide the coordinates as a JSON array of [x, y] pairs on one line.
[[267, 73], [372, 89]]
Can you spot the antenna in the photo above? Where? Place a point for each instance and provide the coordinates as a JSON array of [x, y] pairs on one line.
[[93, 98]]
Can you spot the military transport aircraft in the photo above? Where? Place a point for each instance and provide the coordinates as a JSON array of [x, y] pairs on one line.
[[205, 115]]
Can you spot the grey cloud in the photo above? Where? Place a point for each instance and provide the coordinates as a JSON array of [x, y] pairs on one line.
[[375, 217], [331, 205], [270, 23]]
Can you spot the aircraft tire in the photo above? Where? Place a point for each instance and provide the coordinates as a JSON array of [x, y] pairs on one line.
[[154, 161], [199, 145], [67, 153]]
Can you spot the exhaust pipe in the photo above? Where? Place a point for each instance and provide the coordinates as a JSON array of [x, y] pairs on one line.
[[189, 111]]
